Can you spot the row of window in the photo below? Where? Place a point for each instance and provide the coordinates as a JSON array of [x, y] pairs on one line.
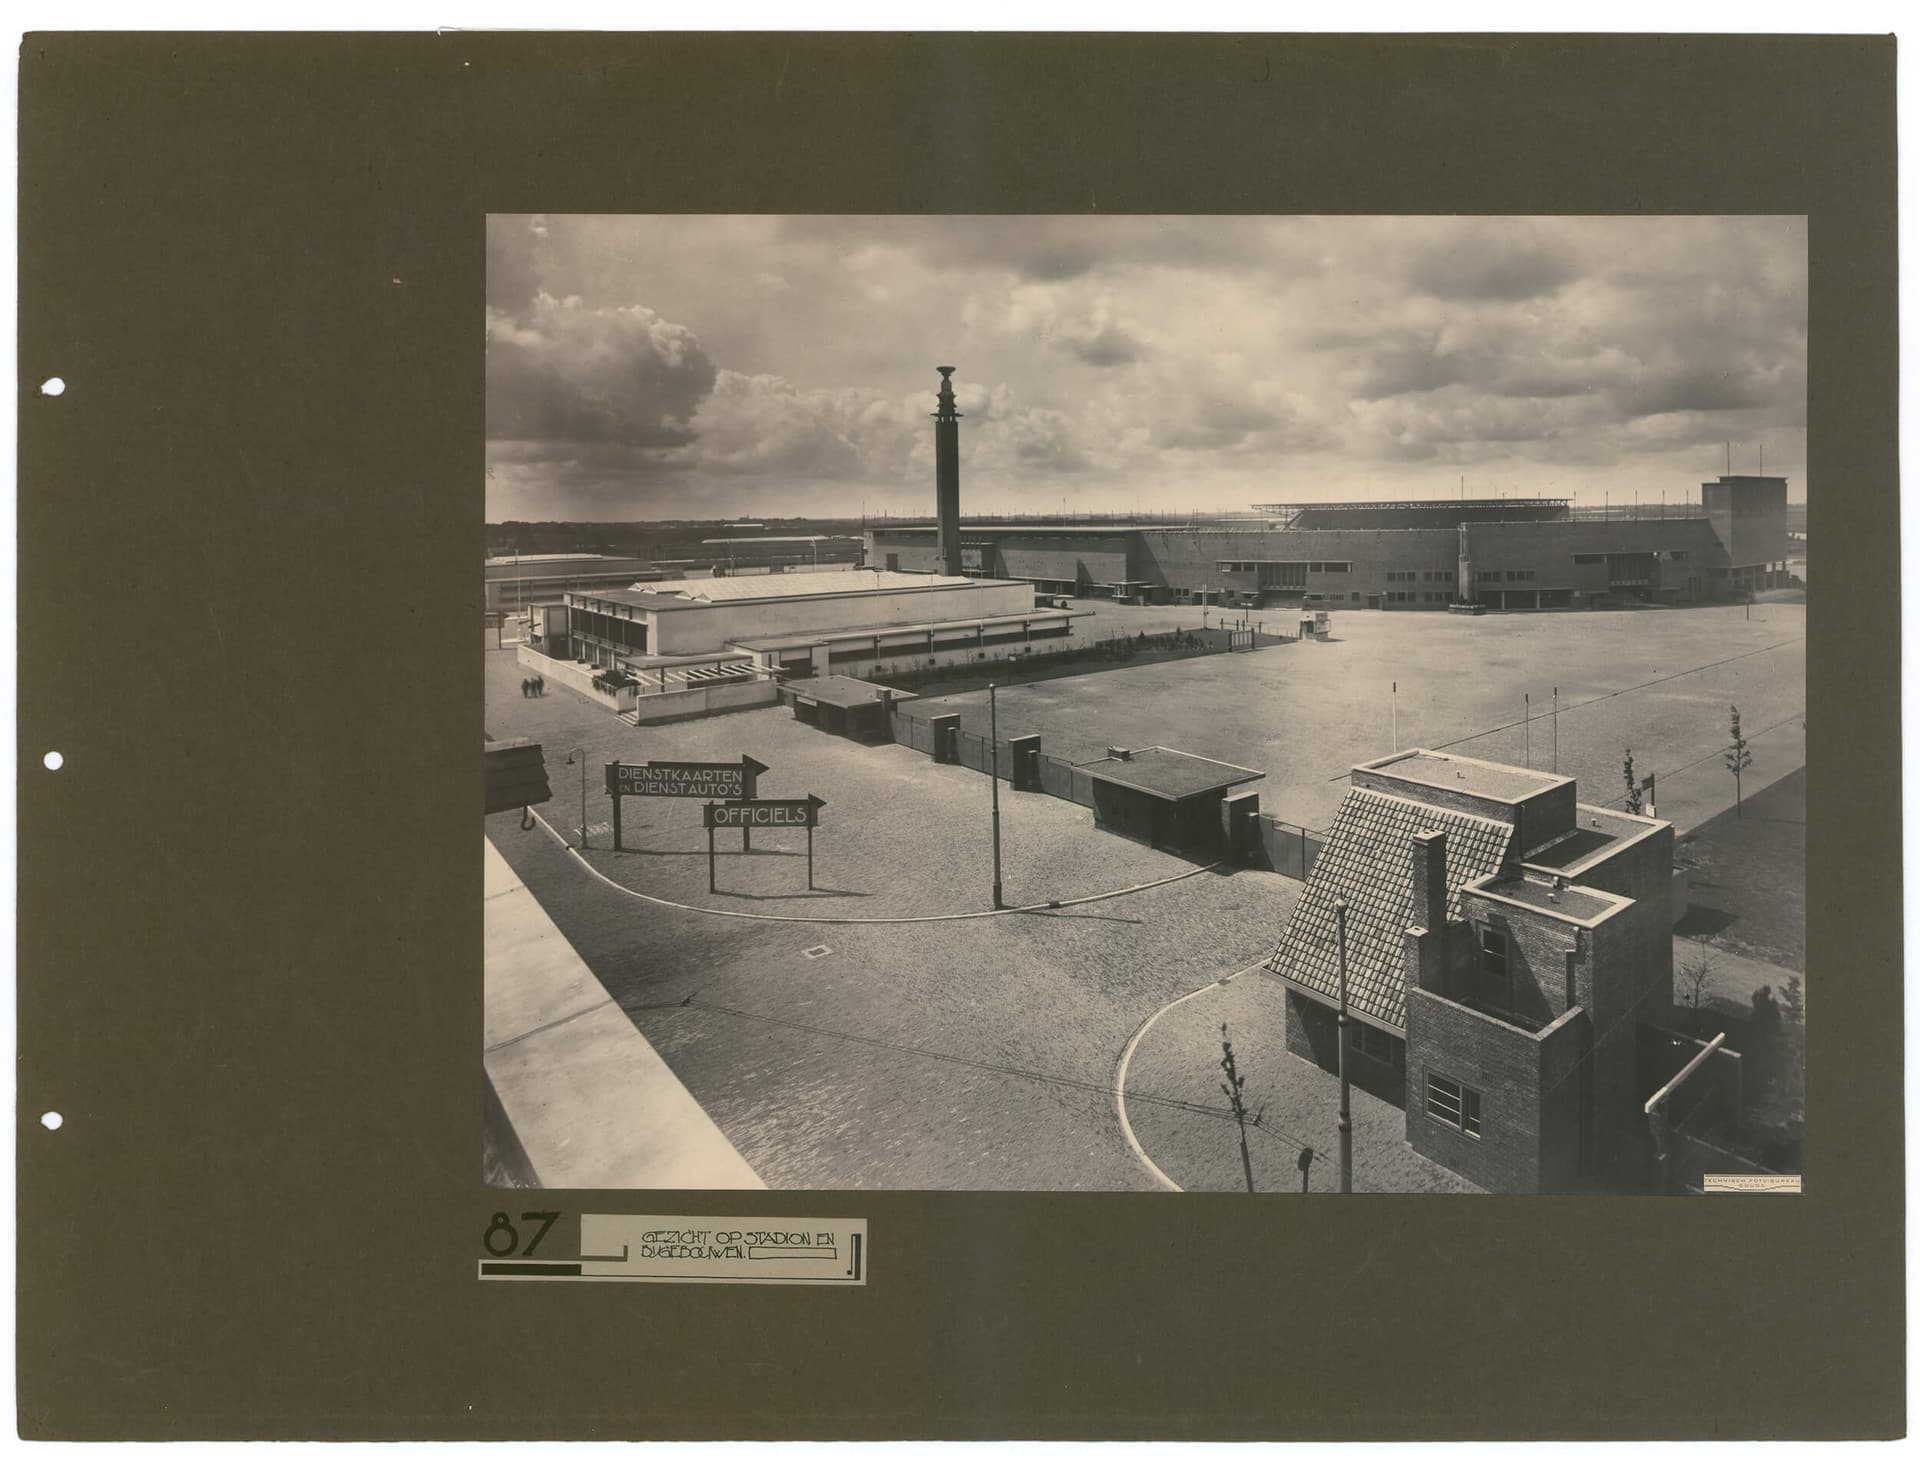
[[1526, 576], [1312, 566], [1596, 558]]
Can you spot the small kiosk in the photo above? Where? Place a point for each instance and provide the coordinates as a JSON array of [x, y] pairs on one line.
[[1165, 798], [843, 706]]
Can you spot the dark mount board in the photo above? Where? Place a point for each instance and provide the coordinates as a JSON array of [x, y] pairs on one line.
[[258, 264]]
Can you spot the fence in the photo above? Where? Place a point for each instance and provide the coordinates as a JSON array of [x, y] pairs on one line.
[[1055, 657], [1284, 847], [1289, 849]]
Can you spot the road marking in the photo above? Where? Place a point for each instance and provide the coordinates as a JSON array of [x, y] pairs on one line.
[[1030, 908], [1126, 1060]]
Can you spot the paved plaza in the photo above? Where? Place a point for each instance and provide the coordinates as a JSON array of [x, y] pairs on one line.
[[1659, 681], [982, 1052]]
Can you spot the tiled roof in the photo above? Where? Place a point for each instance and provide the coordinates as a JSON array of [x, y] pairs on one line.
[[1368, 861]]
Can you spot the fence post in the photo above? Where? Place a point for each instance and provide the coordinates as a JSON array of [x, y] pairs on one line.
[[1303, 854]]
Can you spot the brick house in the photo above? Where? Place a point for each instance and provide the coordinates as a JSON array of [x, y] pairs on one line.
[[1506, 946]]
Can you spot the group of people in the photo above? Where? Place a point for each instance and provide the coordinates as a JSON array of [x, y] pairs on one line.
[[534, 688]]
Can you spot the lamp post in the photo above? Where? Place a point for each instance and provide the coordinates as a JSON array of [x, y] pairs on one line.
[[993, 749], [581, 752], [1346, 1111]]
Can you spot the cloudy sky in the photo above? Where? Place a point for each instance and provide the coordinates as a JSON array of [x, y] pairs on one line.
[[645, 367]]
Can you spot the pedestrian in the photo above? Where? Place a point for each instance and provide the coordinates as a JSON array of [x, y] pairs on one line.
[[526, 689], [539, 686]]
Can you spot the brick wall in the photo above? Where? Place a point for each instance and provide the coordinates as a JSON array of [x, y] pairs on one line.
[[1503, 1064], [1631, 981]]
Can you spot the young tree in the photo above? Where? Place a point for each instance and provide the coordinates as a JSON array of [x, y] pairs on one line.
[[1634, 802], [1232, 1087], [1738, 756], [1695, 976]]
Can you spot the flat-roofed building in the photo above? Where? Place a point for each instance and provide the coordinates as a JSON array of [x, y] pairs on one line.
[[1410, 556], [675, 636]]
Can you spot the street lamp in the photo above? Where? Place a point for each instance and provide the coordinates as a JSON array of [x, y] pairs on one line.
[[581, 752], [993, 747]]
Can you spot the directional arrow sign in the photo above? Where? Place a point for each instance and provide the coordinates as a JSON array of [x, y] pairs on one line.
[[766, 812], [705, 780]]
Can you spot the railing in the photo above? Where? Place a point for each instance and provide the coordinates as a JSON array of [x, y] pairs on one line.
[[1638, 511]]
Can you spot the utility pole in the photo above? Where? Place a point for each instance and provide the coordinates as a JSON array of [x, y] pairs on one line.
[[1556, 729], [1395, 697], [993, 757], [1232, 1088], [581, 752], [1526, 724], [1346, 1110]]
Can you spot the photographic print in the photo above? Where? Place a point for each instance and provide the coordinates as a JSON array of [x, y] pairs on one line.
[[1198, 703]]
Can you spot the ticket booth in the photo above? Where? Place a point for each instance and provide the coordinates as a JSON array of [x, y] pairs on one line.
[[1166, 798], [842, 706]]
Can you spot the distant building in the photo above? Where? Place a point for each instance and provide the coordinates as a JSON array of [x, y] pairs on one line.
[[1406, 555], [1509, 964], [682, 637], [515, 583]]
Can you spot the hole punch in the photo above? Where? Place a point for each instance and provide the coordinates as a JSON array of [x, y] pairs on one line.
[[53, 387], [53, 760], [51, 1121]]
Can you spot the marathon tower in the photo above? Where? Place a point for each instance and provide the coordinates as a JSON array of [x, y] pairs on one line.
[[946, 477]]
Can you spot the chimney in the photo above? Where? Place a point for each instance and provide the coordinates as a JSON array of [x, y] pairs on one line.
[[946, 476], [1430, 881]]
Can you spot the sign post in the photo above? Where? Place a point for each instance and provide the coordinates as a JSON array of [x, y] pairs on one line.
[[763, 812], [701, 780], [613, 789]]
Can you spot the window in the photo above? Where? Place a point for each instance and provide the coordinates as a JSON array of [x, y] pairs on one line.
[[1676, 556], [1370, 1041], [1493, 953], [1329, 566], [1453, 1104]]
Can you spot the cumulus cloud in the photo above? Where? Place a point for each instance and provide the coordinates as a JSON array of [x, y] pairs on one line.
[[1084, 324], [788, 363], [1490, 263], [562, 370]]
